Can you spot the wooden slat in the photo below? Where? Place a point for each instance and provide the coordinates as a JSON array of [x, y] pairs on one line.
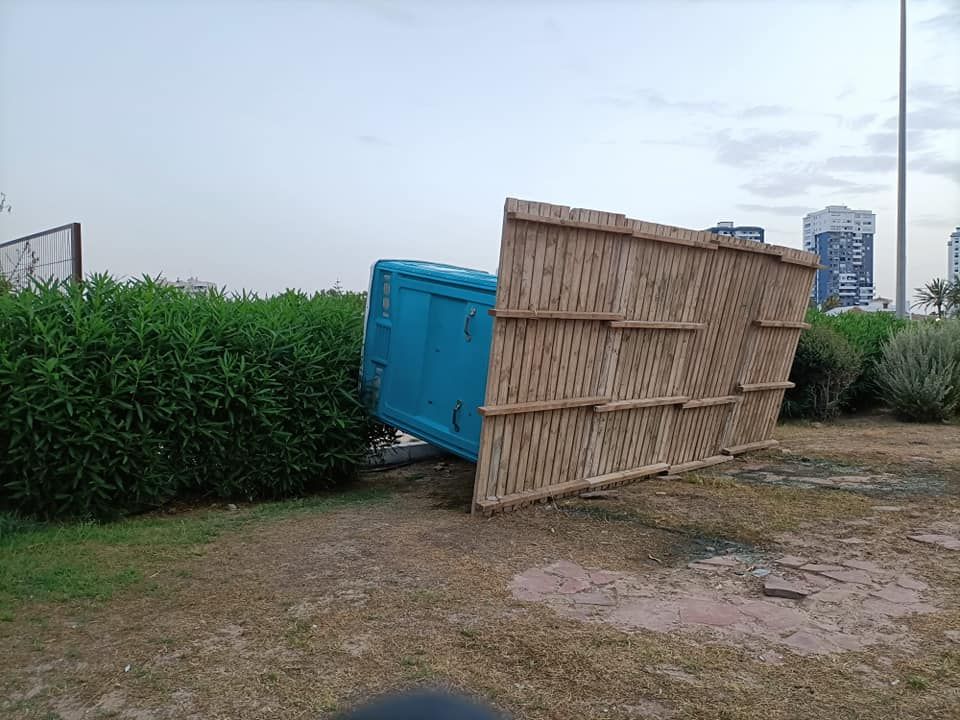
[[756, 387], [571, 487], [614, 229], [710, 402], [792, 324], [656, 325], [632, 474], [699, 464], [576, 224], [742, 245], [674, 241], [759, 445], [539, 406], [815, 264], [516, 313], [639, 403], [503, 502]]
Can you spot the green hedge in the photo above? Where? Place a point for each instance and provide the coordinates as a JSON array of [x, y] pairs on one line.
[[117, 397], [824, 367], [837, 364], [867, 333]]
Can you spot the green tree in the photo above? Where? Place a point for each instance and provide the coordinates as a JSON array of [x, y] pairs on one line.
[[933, 294]]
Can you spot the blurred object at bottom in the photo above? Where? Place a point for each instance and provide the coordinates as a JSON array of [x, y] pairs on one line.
[[422, 705]]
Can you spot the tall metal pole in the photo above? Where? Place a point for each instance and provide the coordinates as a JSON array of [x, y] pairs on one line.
[[902, 309]]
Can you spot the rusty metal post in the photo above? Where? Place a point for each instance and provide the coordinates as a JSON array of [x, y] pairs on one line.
[[77, 252]]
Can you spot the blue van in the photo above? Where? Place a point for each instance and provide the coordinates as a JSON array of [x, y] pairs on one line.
[[426, 347]]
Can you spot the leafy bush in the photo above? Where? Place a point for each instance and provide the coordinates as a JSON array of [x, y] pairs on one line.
[[920, 371], [867, 332], [823, 368], [122, 396]]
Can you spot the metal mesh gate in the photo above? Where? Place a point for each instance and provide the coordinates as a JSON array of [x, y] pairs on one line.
[[49, 255]]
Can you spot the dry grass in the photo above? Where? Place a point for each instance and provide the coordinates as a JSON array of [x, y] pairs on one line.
[[306, 614], [879, 441]]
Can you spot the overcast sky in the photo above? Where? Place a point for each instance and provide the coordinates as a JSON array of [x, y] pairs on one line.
[[263, 145]]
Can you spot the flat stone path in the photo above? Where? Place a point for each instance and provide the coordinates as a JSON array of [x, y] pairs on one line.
[[846, 604]]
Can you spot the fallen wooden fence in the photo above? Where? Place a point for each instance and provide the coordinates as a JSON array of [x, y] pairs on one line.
[[624, 349]]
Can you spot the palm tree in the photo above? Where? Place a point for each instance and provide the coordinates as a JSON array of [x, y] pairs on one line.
[[953, 297], [933, 294]]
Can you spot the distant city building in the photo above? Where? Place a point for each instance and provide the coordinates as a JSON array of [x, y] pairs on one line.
[[843, 238], [191, 285], [877, 304], [953, 255], [747, 232]]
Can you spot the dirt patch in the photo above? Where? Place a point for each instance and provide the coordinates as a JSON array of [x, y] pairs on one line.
[[880, 442], [306, 615]]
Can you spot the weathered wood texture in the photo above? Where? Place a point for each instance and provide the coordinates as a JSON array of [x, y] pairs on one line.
[[623, 348]]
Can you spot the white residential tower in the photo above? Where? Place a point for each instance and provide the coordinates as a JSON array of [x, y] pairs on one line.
[[953, 255], [843, 238]]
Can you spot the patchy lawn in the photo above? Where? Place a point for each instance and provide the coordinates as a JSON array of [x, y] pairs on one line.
[[646, 604], [879, 441]]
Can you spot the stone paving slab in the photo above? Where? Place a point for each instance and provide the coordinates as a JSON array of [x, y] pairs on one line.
[[945, 541], [852, 603], [814, 474]]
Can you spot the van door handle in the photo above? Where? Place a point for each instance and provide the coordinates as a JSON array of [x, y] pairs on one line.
[[466, 323], [456, 412]]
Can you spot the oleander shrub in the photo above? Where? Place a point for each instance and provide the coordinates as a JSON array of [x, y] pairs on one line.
[[824, 367], [919, 371], [117, 397], [868, 332]]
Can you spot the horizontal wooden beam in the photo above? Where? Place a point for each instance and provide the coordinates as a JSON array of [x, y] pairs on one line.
[[656, 325], [674, 241], [632, 474], [710, 402], [728, 243], [640, 403], [782, 324], [699, 464], [567, 222], [572, 487], [759, 445], [505, 501], [810, 263], [540, 406], [552, 314], [615, 229], [755, 387]]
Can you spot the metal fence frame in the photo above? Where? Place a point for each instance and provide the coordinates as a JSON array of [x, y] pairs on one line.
[[74, 257]]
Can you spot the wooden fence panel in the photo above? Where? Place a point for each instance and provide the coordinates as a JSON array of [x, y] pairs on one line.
[[623, 348]]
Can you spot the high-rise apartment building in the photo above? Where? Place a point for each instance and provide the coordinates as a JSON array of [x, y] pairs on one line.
[[953, 255], [747, 232], [843, 238]]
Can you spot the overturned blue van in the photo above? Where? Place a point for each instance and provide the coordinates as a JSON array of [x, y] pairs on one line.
[[426, 346]]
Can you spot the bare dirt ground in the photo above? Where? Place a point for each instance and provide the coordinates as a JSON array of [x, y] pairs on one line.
[[646, 604]]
